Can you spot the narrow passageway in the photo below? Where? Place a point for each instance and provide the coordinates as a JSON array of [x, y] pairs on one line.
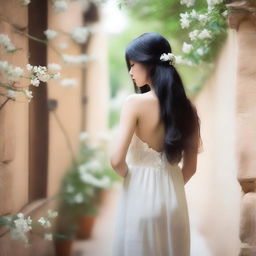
[[102, 237]]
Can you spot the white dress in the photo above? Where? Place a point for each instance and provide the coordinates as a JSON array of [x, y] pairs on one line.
[[152, 217]]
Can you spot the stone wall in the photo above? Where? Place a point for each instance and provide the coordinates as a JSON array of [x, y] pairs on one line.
[[34, 153]]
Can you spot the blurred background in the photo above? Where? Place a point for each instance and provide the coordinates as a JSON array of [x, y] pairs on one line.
[[63, 80]]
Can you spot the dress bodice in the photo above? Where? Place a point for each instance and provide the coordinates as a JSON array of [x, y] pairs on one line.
[[140, 153]]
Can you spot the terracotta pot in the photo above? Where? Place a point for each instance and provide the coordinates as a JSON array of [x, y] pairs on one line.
[[63, 247], [85, 226]]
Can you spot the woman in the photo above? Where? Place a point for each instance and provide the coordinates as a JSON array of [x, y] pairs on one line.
[[159, 128]]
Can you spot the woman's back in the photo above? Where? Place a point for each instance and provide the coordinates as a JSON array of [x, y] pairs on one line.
[[152, 216], [150, 127]]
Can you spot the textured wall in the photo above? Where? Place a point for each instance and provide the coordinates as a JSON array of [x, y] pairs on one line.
[[15, 122], [213, 192], [13, 118], [246, 133], [68, 99]]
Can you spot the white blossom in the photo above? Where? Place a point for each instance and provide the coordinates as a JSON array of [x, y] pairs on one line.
[[189, 62], [188, 3], [56, 75], [179, 59], [225, 13], [78, 198], [203, 18], [83, 136], [184, 20], [48, 224], [193, 34], [11, 94], [50, 34], [34, 81], [68, 82], [90, 179], [21, 227], [40, 73], [29, 67], [194, 14], [184, 61], [186, 48], [20, 215], [60, 6], [28, 94], [73, 59], [54, 66], [168, 57], [205, 33], [6, 43], [200, 51], [42, 221], [70, 188], [92, 166], [25, 2], [80, 34], [52, 214], [12, 73], [48, 236], [43, 77], [214, 2]]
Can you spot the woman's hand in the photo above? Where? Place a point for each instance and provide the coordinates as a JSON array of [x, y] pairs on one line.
[[122, 169]]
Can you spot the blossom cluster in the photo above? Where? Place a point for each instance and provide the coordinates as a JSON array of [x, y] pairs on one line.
[[88, 175], [60, 6], [40, 73], [20, 226], [87, 171], [75, 59], [80, 34], [50, 34], [10, 72], [68, 82], [37, 73], [201, 35], [188, 3], [187, 18], [6, 43]]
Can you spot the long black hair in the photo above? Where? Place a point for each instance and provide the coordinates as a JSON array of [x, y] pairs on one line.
[[179, 115]]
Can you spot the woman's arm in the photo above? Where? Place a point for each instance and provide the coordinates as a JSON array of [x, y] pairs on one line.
[[127, 125], [190, 159], [189, 164]]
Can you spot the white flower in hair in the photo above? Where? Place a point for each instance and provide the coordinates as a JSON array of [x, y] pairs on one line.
[[168, 57]]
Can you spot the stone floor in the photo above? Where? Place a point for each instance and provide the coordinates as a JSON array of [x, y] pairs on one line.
[[102, 237]]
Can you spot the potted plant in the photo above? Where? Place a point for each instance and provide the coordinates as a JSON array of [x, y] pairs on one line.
[[83, 186]]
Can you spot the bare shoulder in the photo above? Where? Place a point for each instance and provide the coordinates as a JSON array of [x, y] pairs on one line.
[[139, 98], [131, 104], [131, 100], [132, 97]]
